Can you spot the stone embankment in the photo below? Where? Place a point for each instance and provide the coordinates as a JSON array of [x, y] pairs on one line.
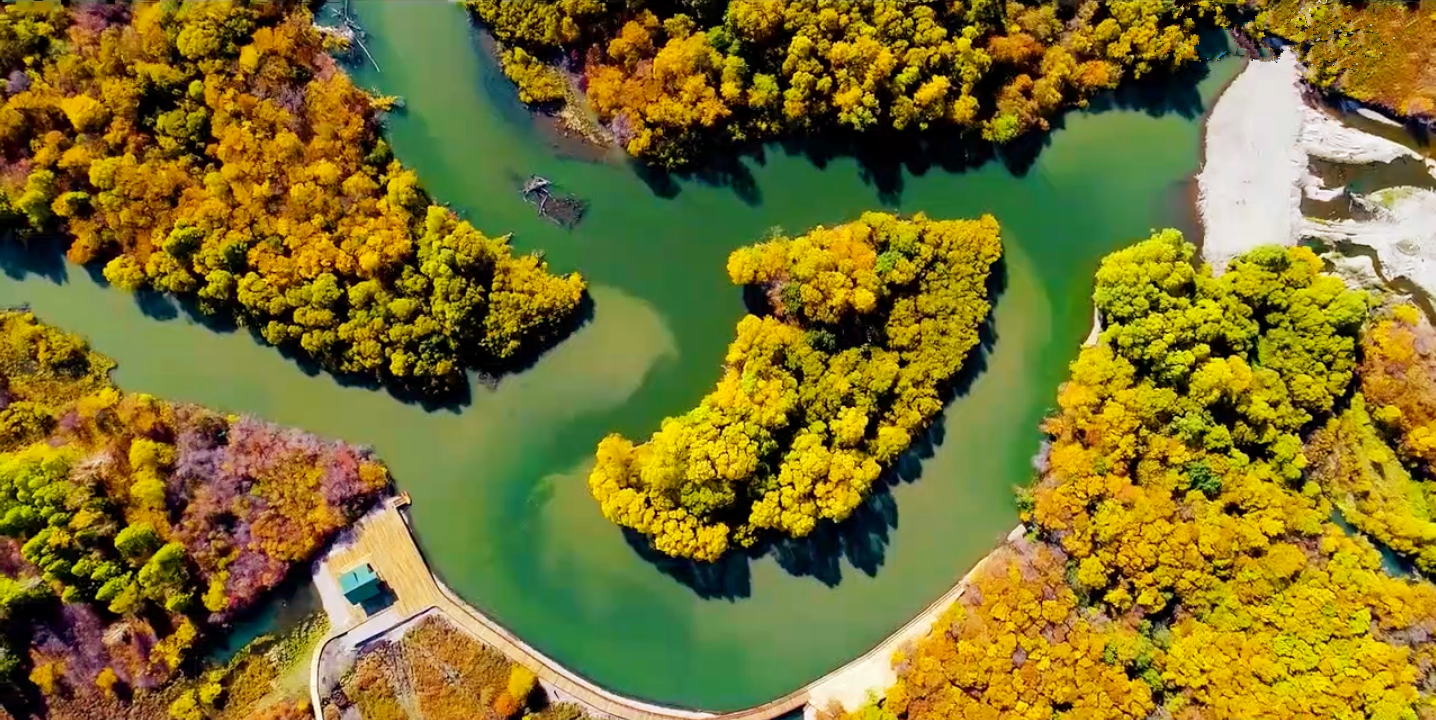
[[382, 538]]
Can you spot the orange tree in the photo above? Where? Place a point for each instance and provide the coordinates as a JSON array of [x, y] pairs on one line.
[[1182, 560], [869, 322], [213, 150]]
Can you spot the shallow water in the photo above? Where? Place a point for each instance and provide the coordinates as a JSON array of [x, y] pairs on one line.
[[292, 602], [500, 502], [1362, 180]]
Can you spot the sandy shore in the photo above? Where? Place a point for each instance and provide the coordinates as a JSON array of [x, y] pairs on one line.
[[1259, 139], [1370, 114], [1249, 189], [1258, 144], [1325, 137], [1095, 334], [873, 673]]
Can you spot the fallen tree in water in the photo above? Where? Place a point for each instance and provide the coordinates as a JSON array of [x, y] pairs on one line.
[[566, 210]]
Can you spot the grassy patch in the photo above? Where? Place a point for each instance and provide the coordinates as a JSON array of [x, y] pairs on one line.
[[1377, 52], [436, 672]]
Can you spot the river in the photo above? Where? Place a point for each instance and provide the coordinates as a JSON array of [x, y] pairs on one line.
[[499, 497]]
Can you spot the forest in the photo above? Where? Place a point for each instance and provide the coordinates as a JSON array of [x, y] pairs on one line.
[[442, 674], [673, 80], [860, 331], [267, 679], [1187, 555], [1375, 52], [1363, 457], [214, 151], [131, 527]]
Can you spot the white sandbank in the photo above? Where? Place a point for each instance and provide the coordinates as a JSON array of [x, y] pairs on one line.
[[1370, 114], [1258, 143], [1402, 231], [1095, 334], [1249, 189], [1323, 136]]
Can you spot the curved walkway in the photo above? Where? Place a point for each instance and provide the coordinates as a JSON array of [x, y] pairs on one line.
[[382, 539]]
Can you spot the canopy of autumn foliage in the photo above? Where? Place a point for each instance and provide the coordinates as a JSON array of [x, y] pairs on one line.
[[257, 683], [1376, 52], [1183, 562], [214, 151], [870, 321], [444, 674], [674, 78], [1368, 480], [128, 525]]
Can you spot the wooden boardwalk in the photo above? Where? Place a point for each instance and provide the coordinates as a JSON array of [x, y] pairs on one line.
[[383, 539]]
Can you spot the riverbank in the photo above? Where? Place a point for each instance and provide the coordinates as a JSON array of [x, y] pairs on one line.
[[500, 502], [382, 539], [1249, 188], [570, 126], [1259, 139], [1264, 132], [850, 686]]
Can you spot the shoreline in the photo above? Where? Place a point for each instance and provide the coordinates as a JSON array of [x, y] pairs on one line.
[[1192, 208], [383, 538], [1263, 115], [561, 128], [1250, 183], [1223, 149], [850, 685], [1264, 133]]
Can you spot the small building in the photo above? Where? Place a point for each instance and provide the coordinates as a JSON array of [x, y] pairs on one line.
[[360, 585]]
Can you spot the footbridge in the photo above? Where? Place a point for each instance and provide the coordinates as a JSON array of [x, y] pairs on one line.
[[383, 539]]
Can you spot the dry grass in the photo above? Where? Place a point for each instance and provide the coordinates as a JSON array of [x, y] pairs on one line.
[[1380, 54], [369, 689], [437, 672], [254, 679]]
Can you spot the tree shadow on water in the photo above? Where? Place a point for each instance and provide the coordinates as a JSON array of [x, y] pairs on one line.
[[724, 170], [1170, 93], [23, 256], [156, 305], [885, 158], [453, 398], [863, 538]]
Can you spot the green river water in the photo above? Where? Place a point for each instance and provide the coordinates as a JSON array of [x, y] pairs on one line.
[[500, 502]]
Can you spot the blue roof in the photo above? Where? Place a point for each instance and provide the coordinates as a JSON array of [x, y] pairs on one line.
[[359, 584]]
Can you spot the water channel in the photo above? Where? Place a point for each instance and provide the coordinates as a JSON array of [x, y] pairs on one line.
[[499, 499]]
